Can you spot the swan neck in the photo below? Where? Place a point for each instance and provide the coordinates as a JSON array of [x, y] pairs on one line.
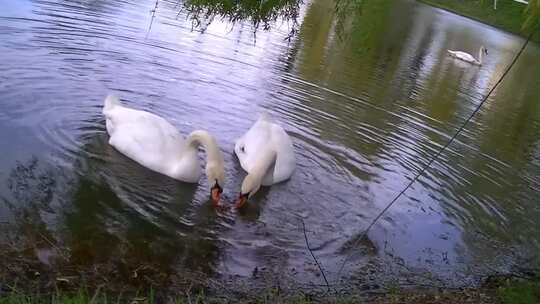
[[253, 180], [480, 55], [203, 138], [263, 163]]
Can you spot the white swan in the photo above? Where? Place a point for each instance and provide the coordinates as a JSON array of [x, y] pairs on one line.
[[266, 152], [156, 144], [468, 57]]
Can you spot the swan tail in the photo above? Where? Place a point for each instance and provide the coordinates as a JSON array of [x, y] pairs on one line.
[[110, 102]]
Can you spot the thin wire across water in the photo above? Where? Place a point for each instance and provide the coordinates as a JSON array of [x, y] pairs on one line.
[[432, 160]]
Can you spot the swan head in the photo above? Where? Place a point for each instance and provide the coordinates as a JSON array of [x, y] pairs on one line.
[[250, 186], [252, 181], [216, 178], [484, 50]]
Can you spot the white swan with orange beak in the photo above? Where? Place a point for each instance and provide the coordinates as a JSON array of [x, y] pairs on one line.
[[266, 153], [153, 142]]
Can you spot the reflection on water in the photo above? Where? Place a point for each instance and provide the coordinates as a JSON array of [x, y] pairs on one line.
[[99, 220], [261, 14], [368, 98]]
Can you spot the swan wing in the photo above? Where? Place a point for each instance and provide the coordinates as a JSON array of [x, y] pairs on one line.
[[248, 146], [285, 158], [462, 55], [144, 137]]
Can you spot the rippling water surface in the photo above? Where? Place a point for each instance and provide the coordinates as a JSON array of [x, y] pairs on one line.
[[368, 98]]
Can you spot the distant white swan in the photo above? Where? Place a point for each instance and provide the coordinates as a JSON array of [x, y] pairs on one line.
[[266, 153], [156, 144], [468, 57]]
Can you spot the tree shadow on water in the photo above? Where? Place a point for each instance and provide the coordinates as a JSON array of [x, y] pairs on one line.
[[77, 223]]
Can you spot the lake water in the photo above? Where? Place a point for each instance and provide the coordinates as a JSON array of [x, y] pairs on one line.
[[367, 96]]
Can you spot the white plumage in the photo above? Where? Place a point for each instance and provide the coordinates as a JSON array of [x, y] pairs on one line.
[[468, 57], [156, 144], [266, 152]]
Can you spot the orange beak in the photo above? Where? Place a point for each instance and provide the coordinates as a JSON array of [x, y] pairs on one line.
[[215, 194], [241, 200]]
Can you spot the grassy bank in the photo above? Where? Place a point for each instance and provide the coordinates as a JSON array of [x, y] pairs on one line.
[[508, 16], [509, 292], [25, 279]]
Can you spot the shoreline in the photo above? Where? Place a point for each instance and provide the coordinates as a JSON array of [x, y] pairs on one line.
[[24, 279], [502, 290], [460, 12]]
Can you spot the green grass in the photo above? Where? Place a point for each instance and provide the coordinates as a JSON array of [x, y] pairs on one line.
[[520, 293], [507, 292], [509, 15], [84, 298], [76, 298]]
